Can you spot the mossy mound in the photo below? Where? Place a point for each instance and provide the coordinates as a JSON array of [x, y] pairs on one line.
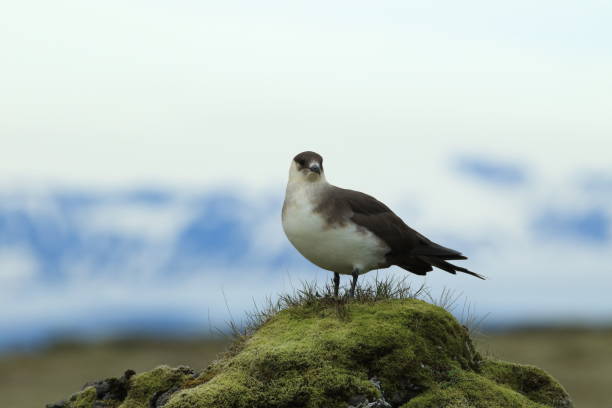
[[387, 353]]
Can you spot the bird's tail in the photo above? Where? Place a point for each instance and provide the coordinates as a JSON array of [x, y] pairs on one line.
[[447, 266]]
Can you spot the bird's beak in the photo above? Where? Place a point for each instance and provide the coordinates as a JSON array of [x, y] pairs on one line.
[[315, 168]]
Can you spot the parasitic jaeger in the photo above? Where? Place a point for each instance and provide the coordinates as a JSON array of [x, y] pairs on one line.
[[351, 233]]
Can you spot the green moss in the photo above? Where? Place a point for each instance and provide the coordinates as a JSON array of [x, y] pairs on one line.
[[530, 381], [329, 354], [308, 357], [143, 387], [470, 390], [83, 399]]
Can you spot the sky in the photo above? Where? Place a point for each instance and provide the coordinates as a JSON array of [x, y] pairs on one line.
[[125, 92], [485, 125]]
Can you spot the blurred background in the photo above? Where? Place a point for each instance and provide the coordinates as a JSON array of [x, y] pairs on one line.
[[145, 145]]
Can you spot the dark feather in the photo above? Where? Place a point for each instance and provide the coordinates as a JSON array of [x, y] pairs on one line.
[[448, 267], [433, 249], [408, 248]]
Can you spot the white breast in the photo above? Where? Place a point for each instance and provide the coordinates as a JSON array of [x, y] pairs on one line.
[[338, 248]]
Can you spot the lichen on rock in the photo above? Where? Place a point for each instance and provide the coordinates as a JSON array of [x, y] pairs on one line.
[[147, 390], [374, 353]]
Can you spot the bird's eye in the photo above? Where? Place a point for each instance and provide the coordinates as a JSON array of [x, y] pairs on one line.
[[302, 162]]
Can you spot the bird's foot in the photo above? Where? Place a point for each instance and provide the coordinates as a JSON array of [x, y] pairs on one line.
[[354, 283], [336, 285]]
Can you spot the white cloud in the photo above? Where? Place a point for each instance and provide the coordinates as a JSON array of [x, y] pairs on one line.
[[157, 223], [18, 267]]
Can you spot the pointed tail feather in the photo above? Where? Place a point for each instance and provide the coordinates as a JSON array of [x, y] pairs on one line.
[[436, 251], [448, 267]]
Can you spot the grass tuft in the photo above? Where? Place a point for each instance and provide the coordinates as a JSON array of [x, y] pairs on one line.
[[314, 296]]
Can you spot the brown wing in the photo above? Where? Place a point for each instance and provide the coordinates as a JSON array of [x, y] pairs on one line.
[[409, 249], [376, 217]]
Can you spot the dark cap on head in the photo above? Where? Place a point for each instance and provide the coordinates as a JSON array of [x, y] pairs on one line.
[[309, 159]]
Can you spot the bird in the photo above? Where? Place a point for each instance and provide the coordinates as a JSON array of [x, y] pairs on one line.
[[349, 232]]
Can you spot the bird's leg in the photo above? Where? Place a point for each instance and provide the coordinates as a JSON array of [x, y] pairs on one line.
[[354, 282], [336, 283]]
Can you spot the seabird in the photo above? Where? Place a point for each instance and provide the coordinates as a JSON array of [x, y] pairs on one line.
[[351, 233]]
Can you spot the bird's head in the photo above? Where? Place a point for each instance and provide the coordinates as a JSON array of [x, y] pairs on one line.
[[307, 166]]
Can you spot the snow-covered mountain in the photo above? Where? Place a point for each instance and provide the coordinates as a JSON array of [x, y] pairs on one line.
[[98, 262], [82, 261]]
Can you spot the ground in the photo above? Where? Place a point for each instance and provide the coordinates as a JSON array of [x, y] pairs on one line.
[[394, 351]]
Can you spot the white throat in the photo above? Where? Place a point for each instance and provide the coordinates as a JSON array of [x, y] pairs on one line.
[[309, 181], [342, 248]]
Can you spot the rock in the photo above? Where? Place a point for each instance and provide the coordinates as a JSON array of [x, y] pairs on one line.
[[362, 402], [401, 353]]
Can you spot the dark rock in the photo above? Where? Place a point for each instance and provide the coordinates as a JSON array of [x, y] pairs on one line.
[[361, 401], [61, 404], [114, 389], [162, 397]]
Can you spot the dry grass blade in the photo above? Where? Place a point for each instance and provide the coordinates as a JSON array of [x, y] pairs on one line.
[[312, 295], [315, 296]]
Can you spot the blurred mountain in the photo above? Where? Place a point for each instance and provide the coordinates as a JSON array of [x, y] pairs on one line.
[[87, 262], [62, 235], [60, 250]]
